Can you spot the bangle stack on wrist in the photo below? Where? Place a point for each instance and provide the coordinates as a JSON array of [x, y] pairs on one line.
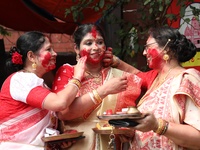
[[94, 95], [162, 126], [116, 62], [75, 82]]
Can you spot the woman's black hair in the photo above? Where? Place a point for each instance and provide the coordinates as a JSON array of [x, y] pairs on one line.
[[83, 29], [179, 46], [29, 41]]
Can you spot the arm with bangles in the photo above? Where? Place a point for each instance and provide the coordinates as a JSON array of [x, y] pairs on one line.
[[61, 100], [183, 135], [85, 102]]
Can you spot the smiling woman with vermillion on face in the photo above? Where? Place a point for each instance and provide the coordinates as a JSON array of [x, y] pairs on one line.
[[93, 47]]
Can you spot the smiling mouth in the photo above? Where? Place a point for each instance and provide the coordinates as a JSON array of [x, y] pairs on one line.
[[96, 53]]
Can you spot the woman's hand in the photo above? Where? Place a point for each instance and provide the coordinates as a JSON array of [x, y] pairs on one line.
[[79, 69], [148, 123], [115, 85], [108, 57]]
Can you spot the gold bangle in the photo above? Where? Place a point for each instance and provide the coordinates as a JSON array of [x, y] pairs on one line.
[[97, 96], [161, 126], [76, 79], [76, 82], [116, 62], [165, 129], [92, 98]]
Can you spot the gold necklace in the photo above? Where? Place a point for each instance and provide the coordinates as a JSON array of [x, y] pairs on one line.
[[165, 77], [94, 76], [94, 79]]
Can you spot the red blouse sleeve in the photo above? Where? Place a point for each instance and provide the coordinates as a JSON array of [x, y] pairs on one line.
[[63, 75], [147, 78], [36, 96]]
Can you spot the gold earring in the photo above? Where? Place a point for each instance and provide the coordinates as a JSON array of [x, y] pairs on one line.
[[34, 65], [165, 56]]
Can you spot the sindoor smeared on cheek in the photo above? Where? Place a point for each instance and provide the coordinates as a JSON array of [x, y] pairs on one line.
[[155, 58], [46, 58], [85, 52]]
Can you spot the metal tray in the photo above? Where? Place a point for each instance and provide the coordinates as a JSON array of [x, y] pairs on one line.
[[115, 131], [62, 136]]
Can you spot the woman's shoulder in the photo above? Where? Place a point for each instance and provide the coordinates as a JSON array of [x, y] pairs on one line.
[[26, 78], [192, 72], [66, 67]]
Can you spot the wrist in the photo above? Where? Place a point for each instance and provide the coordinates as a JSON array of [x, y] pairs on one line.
[[102, 91], [161, 126], [77, 78], [95, 97], [75, 82], [116, 62]]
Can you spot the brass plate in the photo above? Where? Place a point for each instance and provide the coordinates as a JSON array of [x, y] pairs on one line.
[[115, 131], [62, 136]]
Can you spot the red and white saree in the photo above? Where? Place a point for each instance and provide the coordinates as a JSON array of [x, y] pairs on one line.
[[176, 100]]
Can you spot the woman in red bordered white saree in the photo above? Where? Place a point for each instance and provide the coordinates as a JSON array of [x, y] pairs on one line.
[[172, 101], [27, 105]]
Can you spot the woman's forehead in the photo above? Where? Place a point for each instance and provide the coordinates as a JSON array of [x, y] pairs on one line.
[[150, 40], [90, 36]]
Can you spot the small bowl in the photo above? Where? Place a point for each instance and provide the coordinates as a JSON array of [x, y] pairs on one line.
[[132, 110]]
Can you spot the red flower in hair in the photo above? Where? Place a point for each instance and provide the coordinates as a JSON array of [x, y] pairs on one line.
[[17, 58]]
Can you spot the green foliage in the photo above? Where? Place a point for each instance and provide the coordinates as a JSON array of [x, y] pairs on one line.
[[77, 9], [195, 12]]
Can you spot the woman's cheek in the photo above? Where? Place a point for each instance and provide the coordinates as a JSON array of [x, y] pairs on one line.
[[156, 58], [46, 59], [153, 53], [84, 53], [46, 62]]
